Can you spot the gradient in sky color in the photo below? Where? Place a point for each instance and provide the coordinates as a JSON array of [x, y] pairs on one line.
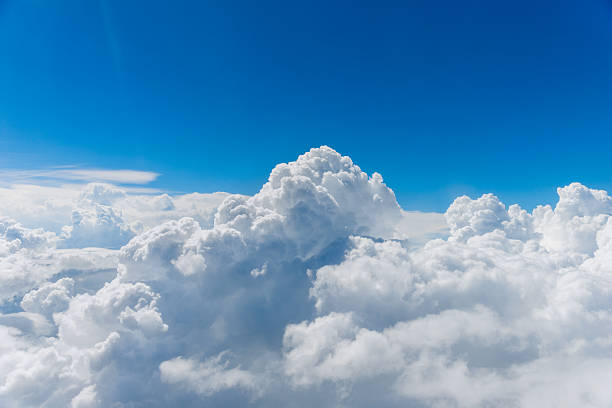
[[441, 97]]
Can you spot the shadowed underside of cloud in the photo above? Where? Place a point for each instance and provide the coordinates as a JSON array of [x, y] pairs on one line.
[[317, 290]]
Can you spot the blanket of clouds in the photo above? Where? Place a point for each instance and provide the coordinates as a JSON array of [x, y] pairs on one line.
[[319, 290]]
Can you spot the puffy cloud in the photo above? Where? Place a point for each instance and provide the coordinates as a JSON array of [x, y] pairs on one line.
[[208, 377], [49, 298], [29, 257], [304, 207], [51, 207], [36, 206], [116, 307], [24, 257], [578, 216], [97, 226], [469, 321], [317, 290], [100, 193], [467, 217]]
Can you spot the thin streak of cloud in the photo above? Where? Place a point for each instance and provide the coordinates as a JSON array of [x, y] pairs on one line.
[[122, 176]]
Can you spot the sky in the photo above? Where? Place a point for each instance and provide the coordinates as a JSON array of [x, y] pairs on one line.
[[441, 97], [351, 269]]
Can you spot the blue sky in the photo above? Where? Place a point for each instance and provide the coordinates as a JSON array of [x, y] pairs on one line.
[[441, 97]]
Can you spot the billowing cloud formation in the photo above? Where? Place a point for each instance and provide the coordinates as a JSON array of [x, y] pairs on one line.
[[319, 289]]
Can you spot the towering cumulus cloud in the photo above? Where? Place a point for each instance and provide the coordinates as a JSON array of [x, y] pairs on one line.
[[318, 290]]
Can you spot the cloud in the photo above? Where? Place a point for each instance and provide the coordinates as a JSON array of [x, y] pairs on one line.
[[208, 377], [78, 174], [318, 290]]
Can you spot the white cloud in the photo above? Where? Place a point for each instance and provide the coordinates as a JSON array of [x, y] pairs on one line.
[[87, 398], [78, 174], [318, 290], [208, 377]]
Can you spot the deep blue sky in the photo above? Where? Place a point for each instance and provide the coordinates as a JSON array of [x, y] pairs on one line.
[[440, 97]]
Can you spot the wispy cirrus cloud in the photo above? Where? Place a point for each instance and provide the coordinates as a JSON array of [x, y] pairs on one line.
[[76, 174]]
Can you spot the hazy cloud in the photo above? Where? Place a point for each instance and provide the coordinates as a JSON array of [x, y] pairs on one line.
[[78, 174]]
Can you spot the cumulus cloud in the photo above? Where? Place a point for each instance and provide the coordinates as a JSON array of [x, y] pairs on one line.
[[206, 378], [317, 290]]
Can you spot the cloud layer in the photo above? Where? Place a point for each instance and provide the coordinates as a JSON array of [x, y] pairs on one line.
[[319, 289], [72, 173]]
